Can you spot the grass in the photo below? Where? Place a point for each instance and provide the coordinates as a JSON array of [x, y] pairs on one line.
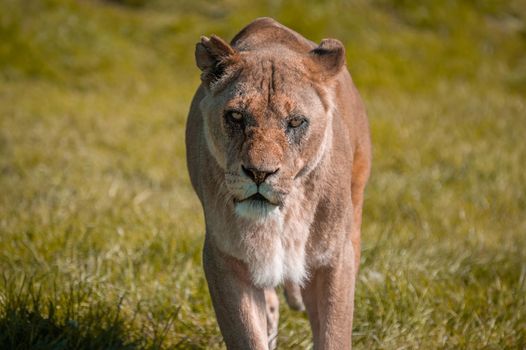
[[100, 232]]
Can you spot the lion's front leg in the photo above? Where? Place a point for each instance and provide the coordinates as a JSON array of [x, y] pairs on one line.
[[239, 306], [329, 300], [272, 303]]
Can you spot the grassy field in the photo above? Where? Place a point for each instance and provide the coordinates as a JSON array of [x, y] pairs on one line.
[[100, 232]]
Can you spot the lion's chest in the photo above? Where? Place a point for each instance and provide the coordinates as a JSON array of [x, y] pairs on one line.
[[273, 248]]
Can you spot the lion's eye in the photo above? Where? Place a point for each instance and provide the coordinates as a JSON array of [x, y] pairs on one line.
[[296, 122], [234, 117]]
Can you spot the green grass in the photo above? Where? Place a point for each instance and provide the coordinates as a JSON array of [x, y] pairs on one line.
[[100, 232]]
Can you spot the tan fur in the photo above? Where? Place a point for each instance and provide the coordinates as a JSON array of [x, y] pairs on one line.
[[306, 233]]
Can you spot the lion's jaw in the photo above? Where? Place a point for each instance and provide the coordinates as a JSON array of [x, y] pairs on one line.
[[252, 201], [256, 207]]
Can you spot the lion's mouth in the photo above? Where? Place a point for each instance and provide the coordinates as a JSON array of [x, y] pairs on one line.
[[258, 198]]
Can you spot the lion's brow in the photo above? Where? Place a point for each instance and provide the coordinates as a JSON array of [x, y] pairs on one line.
[[267, 83], [271, 86]]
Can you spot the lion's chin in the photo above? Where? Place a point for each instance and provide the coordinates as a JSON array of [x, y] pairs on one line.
[[256, 209]]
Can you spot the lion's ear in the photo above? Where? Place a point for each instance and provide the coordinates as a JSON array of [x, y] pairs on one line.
[[212, 56], [330, 55]]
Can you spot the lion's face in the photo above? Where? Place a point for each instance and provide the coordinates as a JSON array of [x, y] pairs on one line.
[[266, 128]]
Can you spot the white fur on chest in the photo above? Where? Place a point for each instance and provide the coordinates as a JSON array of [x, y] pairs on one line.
[[272, 246]]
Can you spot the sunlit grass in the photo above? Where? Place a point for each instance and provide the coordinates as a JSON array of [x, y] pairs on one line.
[[101, 234]]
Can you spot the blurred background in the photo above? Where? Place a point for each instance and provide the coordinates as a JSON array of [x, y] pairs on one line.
[[101, 233]]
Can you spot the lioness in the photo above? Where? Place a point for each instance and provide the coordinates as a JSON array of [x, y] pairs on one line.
[[279, 154]]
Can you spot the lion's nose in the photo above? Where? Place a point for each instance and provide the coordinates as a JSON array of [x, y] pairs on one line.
[[258, 175]]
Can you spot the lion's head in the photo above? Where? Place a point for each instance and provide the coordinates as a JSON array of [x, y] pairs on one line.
[[267, 115]]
